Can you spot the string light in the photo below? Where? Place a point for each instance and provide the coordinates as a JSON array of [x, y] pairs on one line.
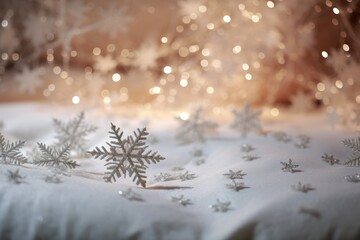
[[324, 54], [75, 100], [116, 77]]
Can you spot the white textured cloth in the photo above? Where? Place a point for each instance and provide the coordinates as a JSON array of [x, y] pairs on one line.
[[83, 206]]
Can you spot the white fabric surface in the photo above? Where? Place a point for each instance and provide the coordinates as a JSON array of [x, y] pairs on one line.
[[85, 207]]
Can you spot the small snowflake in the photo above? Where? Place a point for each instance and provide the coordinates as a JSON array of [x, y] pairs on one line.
[[194, 129], [53, 179], [330, 159], [182, 200], [130, 195], [281, 137], [246, 120], [163, 177], [289, 166], [303, 142], [187, 176], [302, 187], [353, 178], [247, 148], [220, 206], [15, 177], [146, 56], [104, 64], [236, 186], [28, 81], [235, 174], [53, 157]]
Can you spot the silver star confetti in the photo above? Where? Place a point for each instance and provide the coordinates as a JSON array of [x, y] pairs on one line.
[[235, 175], [15, 177], [220, 206], [182, 200], [236, 186], [187, 176], [130, 195], [353, 178], [289, 167], [302, 187], [330, 159]]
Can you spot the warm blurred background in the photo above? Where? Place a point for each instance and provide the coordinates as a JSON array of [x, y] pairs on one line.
[[301, 54]]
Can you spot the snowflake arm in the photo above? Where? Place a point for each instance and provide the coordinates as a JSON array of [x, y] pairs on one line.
[[126, 156], [354, 145], [52, 157], [10, 152]]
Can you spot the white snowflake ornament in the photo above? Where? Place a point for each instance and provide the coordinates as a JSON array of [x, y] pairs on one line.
[[247, 120]]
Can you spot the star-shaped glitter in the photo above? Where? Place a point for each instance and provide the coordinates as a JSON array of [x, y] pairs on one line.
[[182, 200], [353, 178], [15, 177], [187, 176], [235, 174], [289, 166], [130, 195], [302, 187], [220, 206], [246, 120], [247, 148], [330, 159], [236, 186]]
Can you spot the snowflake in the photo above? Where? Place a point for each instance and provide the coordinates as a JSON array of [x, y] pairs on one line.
[[289, 166], [246, 120], [281, 137], [146, 56], [15, 177], [53, 179], [52, 157], [29, 81], [354, 145], [303, 141], [182, 200], [194, 128], [302, 187], [127, 156], [74, 133], [130, 195], [220, 206], [104, 64], [114, 20], [10, 152], [235, 175], [330, 159], [353, 178], [187, 176], [236, 186], [37, 29], [247, 148], [302, 102], [163, 177]]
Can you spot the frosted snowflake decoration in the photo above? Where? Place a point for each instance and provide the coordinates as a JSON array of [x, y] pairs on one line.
[[54, 157], [146, 56], [235, 174], [37, 28], [163, 177], [246, 120], [15, 177], [28, 81], [329, 158], [220, 206], [302, 102], [130, 195], [289, 166], [182, 200], [302, 187], [114, 19], [236, 186], [10, 152], [194, 129], [126, 156], [104, 64]]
